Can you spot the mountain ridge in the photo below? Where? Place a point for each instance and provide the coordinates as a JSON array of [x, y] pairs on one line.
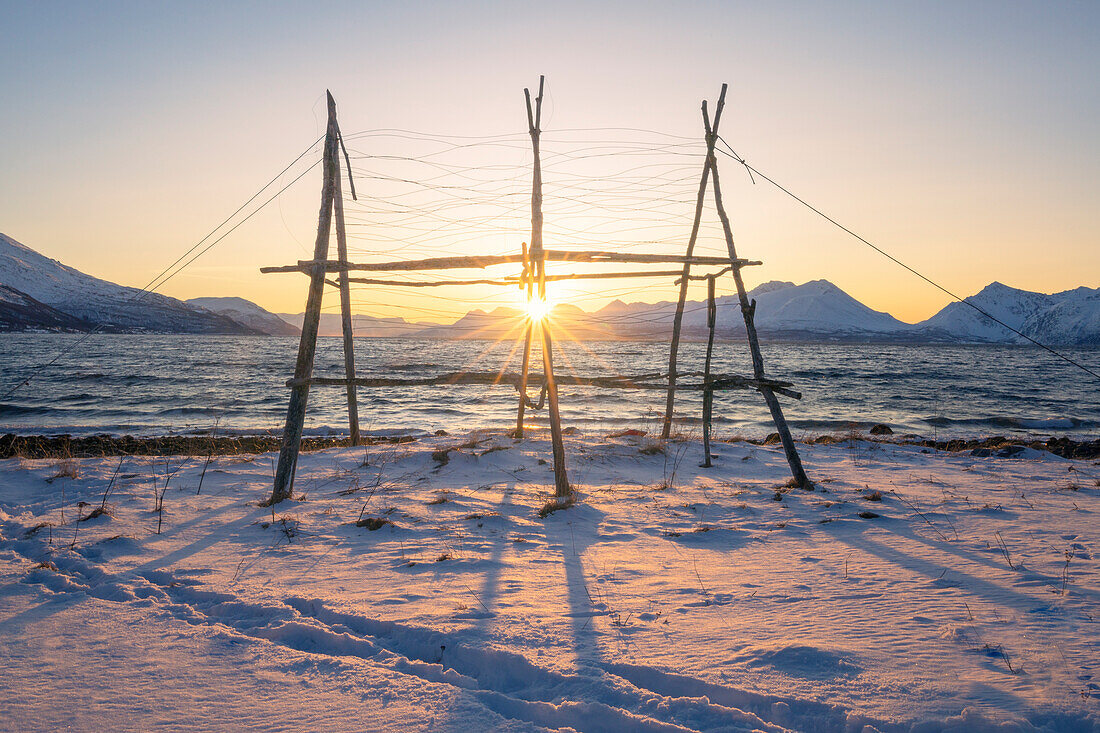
[[246, 313], [816, 310], [42, 294], [95, 304]]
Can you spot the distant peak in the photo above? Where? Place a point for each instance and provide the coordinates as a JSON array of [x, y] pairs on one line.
[[13, 243], [221, 299], [771, 286], [998, 287], [823, 285]]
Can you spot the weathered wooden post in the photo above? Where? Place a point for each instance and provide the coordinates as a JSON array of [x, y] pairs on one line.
[[748, 312], [307, 346], [526, 281], [678, 318], [562, 488], [708, 392], [345, 308]]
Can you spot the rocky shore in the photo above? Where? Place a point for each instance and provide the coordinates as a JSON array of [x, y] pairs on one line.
[[88, 446]]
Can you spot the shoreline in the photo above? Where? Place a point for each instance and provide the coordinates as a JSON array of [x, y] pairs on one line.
[[38, 446]]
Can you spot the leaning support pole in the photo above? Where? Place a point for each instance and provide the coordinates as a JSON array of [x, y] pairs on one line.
[[307, 346], [678, 318], [525, 283], [562, 489], [748, 311], [708, 393], [345, 308]]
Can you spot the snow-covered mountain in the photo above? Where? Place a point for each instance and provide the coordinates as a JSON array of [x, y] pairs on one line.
[[103, 304], [815, 310], [509, 323], [817, 307], [1074, 318], [38, 293], [362, 325], [248, 314], [960, 321], [21, 312], [1066, 318]]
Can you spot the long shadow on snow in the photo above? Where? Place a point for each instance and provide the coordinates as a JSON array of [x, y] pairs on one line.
[[490, 585], [221, 533], [949, 548], [932, 570], [685, 700], [559, 532], [13, 625]]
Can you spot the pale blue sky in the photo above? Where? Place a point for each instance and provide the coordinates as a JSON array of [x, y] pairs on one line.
[[964, 137]]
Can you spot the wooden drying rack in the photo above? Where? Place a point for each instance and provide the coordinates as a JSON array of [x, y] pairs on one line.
[[532, 279]]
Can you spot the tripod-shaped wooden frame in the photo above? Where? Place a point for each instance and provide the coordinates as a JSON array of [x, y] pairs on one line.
[[532, 280]]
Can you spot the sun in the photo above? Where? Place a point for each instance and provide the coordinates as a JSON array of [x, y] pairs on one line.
[[538, 310]]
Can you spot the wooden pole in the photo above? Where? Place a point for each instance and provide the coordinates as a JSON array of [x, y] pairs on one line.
[[512, 280], [678, 318], [526, 359], [639, 381], [307, 346], [562, 489], [465, 263], [708, 393], [345, 307], [748, 311]]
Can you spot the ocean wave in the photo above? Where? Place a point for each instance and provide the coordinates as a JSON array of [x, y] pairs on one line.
[[414, 366], [211, 410], [1018, 423], [830, 425], [79, 397], [89, 377], [8, 409], [117, 387]]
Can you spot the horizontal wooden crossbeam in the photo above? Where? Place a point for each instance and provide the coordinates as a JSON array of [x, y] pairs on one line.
[[719, 382], [517, 280], [551, 255]]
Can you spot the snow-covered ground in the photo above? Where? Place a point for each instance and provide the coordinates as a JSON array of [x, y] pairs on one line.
[[671, 598]]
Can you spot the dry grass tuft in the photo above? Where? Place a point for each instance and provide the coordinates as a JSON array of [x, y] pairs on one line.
[[558, 502], [477, 515], [66, 468], [99, 511], [36, 529], [374, 523]]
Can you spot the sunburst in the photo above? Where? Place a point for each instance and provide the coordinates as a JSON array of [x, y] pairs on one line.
[[539, 309]]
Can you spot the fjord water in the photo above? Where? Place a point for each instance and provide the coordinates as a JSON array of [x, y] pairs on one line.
[[152, 384]]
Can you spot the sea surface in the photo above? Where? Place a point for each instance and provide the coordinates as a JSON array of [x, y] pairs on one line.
[[159, 385]]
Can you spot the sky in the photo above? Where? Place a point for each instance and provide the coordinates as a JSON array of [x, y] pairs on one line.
[[962, 137]]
